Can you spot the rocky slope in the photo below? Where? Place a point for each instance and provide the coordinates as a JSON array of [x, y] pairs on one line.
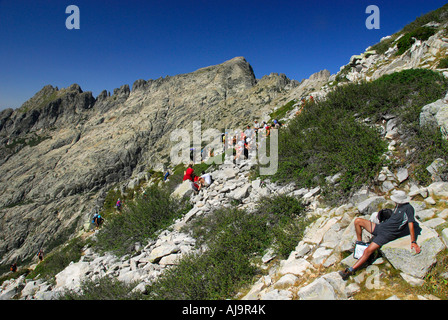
[[310, 272], [64, 149]]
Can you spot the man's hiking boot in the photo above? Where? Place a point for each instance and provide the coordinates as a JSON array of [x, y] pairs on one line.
[[346, 274]]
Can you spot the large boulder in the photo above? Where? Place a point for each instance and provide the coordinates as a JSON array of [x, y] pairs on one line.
[[371, 205], [240, 193], [184, 190], [435, 114], [71, 277], [398, 253], [318, 290], [438, 189], [164, 250]]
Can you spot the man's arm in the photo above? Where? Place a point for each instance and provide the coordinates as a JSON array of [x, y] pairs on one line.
[[414, 244]]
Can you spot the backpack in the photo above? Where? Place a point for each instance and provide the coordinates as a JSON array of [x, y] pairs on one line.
[[384, 214]]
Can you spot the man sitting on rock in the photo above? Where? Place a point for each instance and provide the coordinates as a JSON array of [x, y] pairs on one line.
[[400, 224]]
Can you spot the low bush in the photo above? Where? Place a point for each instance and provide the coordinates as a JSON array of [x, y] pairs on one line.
[[58, 259], [103, 288], [443, 63], [420, 33], [330, 137], [282, 111], [428, 145], [140, 220], [231, 239], [417, 27], [325, 141]]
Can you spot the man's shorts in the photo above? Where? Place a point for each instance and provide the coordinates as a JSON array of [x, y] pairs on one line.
[[382, 238]]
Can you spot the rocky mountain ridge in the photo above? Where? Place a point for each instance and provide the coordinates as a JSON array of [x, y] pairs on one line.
[[64, 149]]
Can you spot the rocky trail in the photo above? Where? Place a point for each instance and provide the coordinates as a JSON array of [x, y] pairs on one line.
[[311, 270]]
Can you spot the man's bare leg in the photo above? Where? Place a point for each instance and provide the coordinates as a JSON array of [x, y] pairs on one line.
[[360, 224], [367, 253]]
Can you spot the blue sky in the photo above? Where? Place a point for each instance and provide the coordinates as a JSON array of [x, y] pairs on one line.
[[121, 41]]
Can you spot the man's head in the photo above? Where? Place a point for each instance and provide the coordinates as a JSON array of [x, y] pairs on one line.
[[400, 197]]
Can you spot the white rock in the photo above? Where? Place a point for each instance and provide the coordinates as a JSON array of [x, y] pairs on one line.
[[184, 190], [402, 174], [71, 276], [294, 266], [277, 295], [318, 230], [430, 201], [317, 290], [288, 280], [438, 189], [415, 282], [433, 223], [399, 254], [425, 214], [240, 193], [445, 236], [254, 292], [161, 251], [269, 255], [371, 204], [302, 249], [443, 214], [320, 255]]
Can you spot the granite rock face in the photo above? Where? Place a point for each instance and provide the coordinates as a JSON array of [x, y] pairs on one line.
[[63, 149]]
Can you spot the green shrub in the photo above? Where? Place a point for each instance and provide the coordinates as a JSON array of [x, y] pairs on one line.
[[59, 259], [439, 15], [139, 220], [104, 288], [443, 63], [325, 141], [285, 221], [232, 236], [282, 111], [330, 137], [429, 145], [111, 199], [420, 33], [404, 43], [383, 46], [232, 239]]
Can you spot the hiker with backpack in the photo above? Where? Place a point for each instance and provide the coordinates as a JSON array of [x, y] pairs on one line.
[[400, 223], [118, 204], [98, 220]]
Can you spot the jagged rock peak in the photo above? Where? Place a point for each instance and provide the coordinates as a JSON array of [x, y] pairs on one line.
[[47, 94], [322, 75], [237, 70]]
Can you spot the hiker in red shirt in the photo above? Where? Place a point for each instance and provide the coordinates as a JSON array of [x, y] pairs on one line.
[[189, 175]]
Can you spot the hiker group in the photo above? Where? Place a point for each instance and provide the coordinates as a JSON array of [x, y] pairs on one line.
[[242, 143]]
